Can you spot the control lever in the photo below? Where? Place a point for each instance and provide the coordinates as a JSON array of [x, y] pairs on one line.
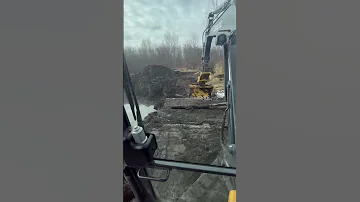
[[140, 148], [164, 179]]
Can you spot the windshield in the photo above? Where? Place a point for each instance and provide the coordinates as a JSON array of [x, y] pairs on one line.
[[165, 67]]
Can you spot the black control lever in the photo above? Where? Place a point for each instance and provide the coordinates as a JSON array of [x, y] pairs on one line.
[[139, 148]]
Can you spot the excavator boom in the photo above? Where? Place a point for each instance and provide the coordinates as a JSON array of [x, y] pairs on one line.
[[221, 25]]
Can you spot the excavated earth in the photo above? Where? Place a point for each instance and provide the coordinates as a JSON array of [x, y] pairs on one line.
[[156, 82], [188, 135]]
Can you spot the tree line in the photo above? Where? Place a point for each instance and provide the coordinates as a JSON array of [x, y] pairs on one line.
[[170, 53]]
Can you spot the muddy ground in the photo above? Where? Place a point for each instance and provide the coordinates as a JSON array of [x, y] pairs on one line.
[[189, 135]]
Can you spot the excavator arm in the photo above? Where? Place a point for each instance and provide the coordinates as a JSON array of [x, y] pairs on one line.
[[221, 24], [220, 21]]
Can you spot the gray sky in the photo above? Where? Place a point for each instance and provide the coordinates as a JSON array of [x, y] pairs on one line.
[[152, 18]]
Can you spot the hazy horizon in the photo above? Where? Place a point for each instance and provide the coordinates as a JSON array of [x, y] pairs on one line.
[[152, 19]]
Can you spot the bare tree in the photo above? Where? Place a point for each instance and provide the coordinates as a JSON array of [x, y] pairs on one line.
[[169, 53], [213, 4], [162, 54], [192, 53], [194, 40], [171, 43]]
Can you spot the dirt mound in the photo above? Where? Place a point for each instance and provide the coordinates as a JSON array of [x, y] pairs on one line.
[[156, 82]]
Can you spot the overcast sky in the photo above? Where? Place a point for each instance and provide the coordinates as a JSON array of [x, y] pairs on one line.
[[152, 18]]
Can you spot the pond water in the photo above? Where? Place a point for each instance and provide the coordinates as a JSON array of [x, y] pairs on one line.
[[144, 109]]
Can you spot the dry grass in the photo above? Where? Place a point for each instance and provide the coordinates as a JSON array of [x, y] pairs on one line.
[[216, 79], [219, 69]]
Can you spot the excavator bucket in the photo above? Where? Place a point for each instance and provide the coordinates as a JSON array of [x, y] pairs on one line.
[[203, 78], [200, 91]]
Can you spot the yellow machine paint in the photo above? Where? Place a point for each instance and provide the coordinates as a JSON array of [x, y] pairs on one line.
[[232, 196], [201, 89]]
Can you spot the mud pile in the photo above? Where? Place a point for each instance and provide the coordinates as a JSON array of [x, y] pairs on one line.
[[156, 82]]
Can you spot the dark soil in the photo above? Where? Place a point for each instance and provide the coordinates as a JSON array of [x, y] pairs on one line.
[[128, 195], [183, 135], [156, 82], [189, 136]]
